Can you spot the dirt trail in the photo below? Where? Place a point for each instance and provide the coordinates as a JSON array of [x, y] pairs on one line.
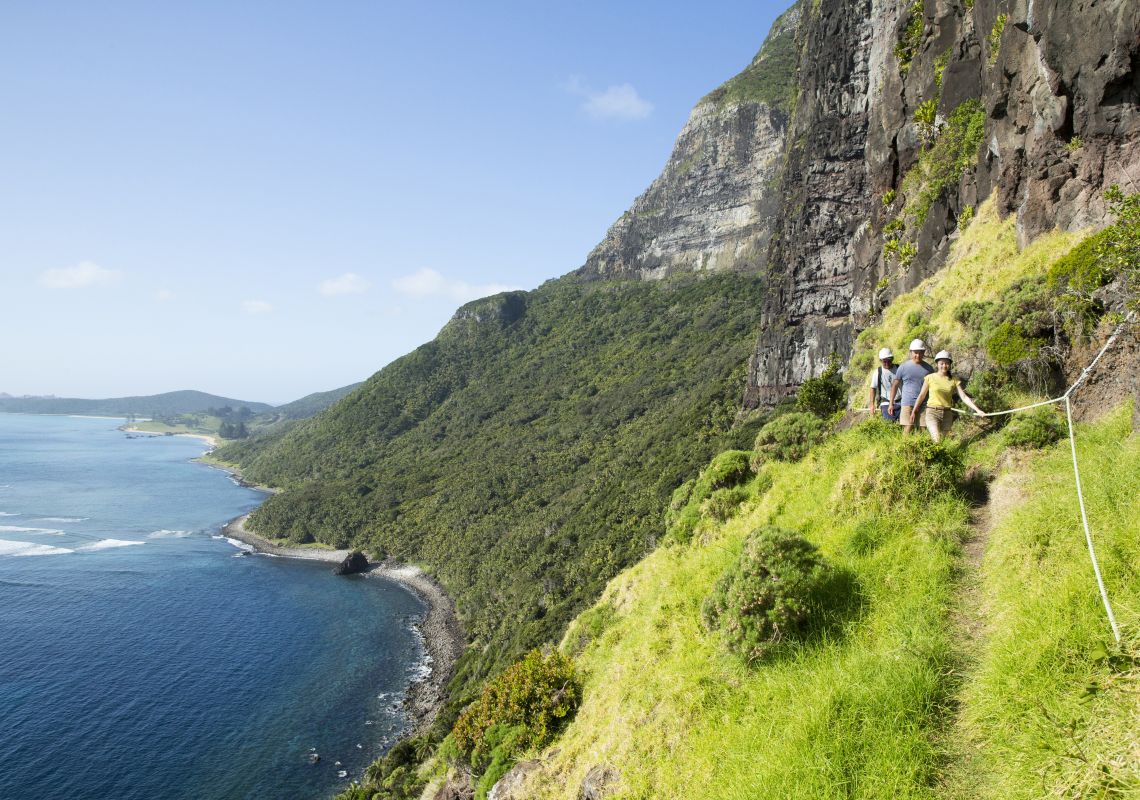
[[962, 775]]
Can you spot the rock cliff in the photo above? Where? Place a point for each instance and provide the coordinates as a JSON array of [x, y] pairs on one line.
[[842, 161]]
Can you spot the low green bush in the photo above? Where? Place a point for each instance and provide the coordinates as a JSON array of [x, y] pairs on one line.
[[723, 503], [769, 594], [536, 695], [825, 395], [1034, 429], [912, 471], [789, 438], [729, 468], [680, 527]]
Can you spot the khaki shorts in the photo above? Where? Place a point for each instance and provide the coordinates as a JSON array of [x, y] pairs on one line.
[[939, 421], [908, 411]]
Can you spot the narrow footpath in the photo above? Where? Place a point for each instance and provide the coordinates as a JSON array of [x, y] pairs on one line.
[[962, 777]]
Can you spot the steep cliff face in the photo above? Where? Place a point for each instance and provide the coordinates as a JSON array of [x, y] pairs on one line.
[[842, 160], [911, 114], [713, 208]]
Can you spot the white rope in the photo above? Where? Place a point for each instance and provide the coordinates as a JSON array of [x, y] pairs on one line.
[[1066, 398], [1085, 523]]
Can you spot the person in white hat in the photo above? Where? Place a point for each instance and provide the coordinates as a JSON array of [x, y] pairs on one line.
[[940, 388], [881, 380], [909, 378]]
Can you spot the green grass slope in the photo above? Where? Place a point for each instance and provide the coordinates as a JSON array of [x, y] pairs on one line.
[[524, 455]]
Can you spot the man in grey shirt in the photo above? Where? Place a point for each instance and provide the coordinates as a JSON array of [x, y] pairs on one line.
[[910, 376]]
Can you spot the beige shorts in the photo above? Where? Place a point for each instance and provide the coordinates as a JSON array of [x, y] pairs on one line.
[[907, 412], [939, 421]]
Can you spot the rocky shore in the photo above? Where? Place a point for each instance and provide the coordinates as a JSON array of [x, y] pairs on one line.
[[442, 632]]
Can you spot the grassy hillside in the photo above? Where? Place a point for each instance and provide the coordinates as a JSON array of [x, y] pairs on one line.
[[524, 455], [964, 653]]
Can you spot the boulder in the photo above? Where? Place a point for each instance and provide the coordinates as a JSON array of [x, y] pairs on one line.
[[599, 783], [458, 786], [354, 562], [511, 786]]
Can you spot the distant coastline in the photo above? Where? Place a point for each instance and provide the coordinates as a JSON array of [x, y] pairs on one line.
[[129, 428]]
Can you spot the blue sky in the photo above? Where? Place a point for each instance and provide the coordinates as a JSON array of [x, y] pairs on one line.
[[263, 200]]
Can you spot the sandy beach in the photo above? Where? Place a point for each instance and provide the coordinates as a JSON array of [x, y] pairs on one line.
[[442, 632], [210, 440]]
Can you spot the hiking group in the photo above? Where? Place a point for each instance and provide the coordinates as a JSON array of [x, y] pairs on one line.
[[916, 391]]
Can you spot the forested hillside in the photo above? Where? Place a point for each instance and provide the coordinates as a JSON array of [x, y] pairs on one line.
[[524, 455]]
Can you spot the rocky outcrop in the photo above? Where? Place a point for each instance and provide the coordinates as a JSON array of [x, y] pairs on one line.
[[353, 563], [799, 166], [1057, 82], [512, 785], [599, 783], [712, 209]]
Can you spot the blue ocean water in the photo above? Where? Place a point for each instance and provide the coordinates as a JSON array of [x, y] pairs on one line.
[[141, 657]]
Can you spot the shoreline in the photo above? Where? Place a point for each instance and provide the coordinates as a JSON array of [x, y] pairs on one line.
[[210, 440], [440, 629]]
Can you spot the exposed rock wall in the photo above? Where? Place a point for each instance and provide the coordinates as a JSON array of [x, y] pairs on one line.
[[1058, 82], [785, 168], [712, 208]]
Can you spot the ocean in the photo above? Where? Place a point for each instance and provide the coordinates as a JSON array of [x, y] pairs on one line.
[[144, 656]]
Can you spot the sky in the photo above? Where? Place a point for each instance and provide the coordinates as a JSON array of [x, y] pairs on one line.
[[266, 199]]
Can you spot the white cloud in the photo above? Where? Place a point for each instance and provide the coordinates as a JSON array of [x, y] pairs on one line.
[[256, 307], [348, 283], [429, 283], [615, 102], [83, 274], [163, 295]]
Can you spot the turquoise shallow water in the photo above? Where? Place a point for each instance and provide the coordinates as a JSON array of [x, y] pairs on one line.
[[143, 657]]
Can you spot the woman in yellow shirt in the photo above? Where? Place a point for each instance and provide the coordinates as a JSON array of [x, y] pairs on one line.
[[939, 387]]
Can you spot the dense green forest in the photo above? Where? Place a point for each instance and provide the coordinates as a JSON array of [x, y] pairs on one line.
[[525, 454]]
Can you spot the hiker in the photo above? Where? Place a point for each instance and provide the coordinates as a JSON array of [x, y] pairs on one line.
[[881, 379], [940, 387], [909, 376]]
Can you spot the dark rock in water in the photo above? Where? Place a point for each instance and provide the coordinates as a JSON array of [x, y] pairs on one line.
[[354, 562]]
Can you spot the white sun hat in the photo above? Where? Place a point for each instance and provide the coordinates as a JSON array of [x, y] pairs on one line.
[[918, 344], [886, 353], [943, 354]]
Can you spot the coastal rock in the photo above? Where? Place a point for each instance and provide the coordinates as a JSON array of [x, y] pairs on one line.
[[512, 785], [353, 563], [599, 783]]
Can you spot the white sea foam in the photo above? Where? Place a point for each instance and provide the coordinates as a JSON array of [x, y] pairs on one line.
[[62, 519], [22, 529], [10, 548], [107, 544], [8, 514], [239, 544], [167, 534]]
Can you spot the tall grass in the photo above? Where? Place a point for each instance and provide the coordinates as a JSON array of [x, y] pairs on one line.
[[1054, 707], [853, 712]]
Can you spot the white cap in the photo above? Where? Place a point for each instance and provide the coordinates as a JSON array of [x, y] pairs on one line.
[[886, 353], [943, 354], [918, 344]]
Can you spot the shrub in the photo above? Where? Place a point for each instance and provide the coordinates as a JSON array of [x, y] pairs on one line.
[[770, 593], [728, 469], [942, 166], [910, 37], [990, 390], [825, 395], [926, 119], [536, 694], [1038, 428], [910, 472], [790, 437], [589, 625], [723, 503], [965, 218], [889, 196], [681, 495], [994, 39]]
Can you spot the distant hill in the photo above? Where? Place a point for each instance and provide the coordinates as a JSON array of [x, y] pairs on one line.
[[166, 404], [312, 404]]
